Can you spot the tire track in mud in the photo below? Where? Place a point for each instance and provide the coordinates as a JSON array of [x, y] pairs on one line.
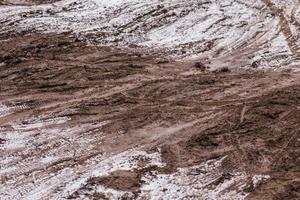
[[285, 28], [289, 144]]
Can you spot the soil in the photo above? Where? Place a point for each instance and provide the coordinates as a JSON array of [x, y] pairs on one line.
[[191, 113], [119, 180]]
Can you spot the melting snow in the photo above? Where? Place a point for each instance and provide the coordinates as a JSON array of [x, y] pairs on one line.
[[197, 182], [39, 123], [6, 110], [185, 29]]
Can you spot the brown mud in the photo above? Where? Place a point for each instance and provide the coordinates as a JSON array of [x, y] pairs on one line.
[[194, 115]]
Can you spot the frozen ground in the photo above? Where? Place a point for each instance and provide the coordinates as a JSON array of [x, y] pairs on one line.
[[35, 147], [261, 33], [134, 99]]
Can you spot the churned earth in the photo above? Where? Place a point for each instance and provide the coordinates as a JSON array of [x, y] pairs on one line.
[[82, 117]]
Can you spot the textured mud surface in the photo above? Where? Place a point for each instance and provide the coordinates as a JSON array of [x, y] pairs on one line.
[[94, 122], [94, 110]]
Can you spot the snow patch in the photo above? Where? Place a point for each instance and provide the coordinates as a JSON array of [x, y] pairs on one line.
[[39, 123], [6, 110], [257, 179], [183, 29]]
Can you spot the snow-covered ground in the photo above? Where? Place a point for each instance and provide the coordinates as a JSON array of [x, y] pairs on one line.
[[219, 31], [53, 151], [6, 110], [39, 156]]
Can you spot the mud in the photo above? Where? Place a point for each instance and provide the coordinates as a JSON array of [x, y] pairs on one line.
[[26, 2], [119, 180], [77, 104]]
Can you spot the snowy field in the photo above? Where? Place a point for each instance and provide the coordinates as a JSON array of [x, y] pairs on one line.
[[253, 33]]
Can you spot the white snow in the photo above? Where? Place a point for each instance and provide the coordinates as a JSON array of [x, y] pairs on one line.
[[193, 183], [39, 123], [257, 179], [127, 160], [182, 28], [196, 182], [6, 110]]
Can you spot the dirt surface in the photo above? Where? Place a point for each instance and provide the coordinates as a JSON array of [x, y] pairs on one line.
[[80, 121], [26, 2]]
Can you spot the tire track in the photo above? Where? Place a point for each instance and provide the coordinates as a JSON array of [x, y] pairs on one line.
[[285, 28]]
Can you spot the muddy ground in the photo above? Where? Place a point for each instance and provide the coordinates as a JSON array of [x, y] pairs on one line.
[[250, 117], [26, 2]]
